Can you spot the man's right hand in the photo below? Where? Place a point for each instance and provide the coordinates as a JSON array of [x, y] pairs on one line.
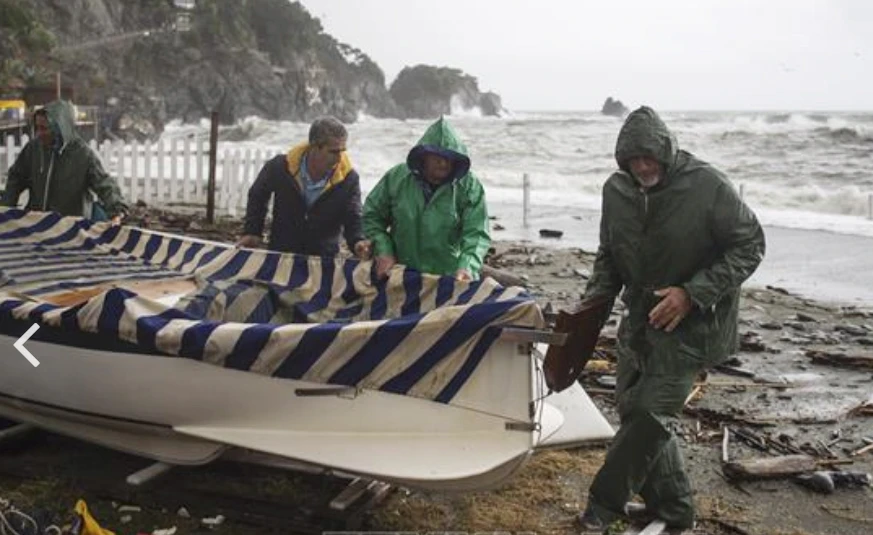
[[384, 265], [364, 249], [249, 241]]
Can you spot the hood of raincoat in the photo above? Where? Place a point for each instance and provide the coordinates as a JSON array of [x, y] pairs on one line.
[[644, 133], [62, 121], [440, 138]]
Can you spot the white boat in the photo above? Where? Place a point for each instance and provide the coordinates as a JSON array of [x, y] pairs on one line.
[[185, 351]]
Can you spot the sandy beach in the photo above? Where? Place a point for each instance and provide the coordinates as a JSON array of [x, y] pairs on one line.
[[805, 385]]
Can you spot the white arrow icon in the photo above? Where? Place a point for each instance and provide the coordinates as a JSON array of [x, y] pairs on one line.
[[19, 345]]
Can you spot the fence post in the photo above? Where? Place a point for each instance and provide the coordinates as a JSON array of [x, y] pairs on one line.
[[210, 187], [526, 203]]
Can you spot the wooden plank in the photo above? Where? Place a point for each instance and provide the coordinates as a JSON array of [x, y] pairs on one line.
[[134, 173], [148, 155], [186, 175], [15, 431], [201, 159], [502, 276], [654, 527], [161, 179], [150, 288], [149, 473], [533, 336], [770, 468], [352, 493], [117, 153], [861, 451], [174, 171]]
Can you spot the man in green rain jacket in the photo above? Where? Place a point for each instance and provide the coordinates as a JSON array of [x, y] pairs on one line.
[[429, 213], [60, 170], [679, 242]]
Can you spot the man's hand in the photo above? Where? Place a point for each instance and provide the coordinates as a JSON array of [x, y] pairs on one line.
[[384, 265], [116, 220], [249, 241], [364, 249], [675, 304], [463, 275]]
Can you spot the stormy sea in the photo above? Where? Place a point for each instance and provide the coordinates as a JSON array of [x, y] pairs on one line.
[[807, 175]]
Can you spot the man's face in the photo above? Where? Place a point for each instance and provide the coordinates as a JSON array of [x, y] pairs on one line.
[[646, 170], [43, 130], [329, 154], [436, 168]]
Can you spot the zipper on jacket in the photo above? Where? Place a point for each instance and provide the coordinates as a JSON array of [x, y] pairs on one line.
[[645, 195], [48, 177]]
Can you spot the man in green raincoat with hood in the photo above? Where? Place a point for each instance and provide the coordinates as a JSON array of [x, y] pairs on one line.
[[429, 213], [60, 170], [677, 241]]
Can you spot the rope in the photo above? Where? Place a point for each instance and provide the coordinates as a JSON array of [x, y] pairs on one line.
[[8, 511]]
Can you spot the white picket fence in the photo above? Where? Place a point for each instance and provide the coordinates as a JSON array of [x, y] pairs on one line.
[[170, 172]]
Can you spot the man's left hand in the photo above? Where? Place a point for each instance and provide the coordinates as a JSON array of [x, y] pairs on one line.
[[463, 275], [675, 304], [364, 249], [116, 220]]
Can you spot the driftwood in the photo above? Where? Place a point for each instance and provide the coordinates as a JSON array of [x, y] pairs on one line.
[[770, 468], [840, 360], [710, 415], [502, 276], [861, 451]]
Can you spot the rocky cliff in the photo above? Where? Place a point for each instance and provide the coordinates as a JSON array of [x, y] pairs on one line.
[[425, 91], [614, 107], [268, 58]]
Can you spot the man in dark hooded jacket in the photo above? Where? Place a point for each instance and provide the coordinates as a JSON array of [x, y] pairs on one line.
[[60, 170], [429, 213], [679, 242]]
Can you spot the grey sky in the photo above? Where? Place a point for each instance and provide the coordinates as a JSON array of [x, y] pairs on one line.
[[671, 54]]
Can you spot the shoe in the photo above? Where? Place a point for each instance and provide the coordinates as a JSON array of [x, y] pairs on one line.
[[590, 522], [638, 511], [679, 531]]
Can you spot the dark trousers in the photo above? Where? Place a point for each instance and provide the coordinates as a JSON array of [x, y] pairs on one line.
[[644, 456]]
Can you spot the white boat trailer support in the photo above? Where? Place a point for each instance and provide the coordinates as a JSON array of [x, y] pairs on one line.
[[141, 477], [16, 430], [357, 488]]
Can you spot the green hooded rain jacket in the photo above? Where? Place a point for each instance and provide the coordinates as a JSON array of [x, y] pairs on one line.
[[61, 178], [690, 230], [441, 235]]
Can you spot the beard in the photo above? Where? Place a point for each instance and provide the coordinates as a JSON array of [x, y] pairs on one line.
[[648, 180]]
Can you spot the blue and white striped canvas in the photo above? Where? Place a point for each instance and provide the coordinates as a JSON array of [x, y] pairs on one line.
[[317, 319]]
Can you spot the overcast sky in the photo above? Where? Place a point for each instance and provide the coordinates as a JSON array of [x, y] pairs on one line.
[[671, 54]]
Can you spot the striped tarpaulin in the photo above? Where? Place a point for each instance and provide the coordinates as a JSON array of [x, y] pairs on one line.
[[318, 319]]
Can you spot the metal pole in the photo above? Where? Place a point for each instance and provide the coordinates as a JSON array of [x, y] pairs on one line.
[[870, 206], [58, 84], [210, 186], [526, 204], [742, 192]]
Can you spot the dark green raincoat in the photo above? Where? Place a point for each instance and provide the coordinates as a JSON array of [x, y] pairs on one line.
[[441, 235], [690, 230], [61, 178]]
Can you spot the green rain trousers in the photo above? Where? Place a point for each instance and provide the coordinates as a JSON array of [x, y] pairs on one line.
[[644, 456]]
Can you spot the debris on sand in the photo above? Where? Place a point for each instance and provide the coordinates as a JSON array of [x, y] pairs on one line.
[[840, 359]]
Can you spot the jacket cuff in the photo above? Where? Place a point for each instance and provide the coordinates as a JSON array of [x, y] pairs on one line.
[[383, 247], [702, 299]]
